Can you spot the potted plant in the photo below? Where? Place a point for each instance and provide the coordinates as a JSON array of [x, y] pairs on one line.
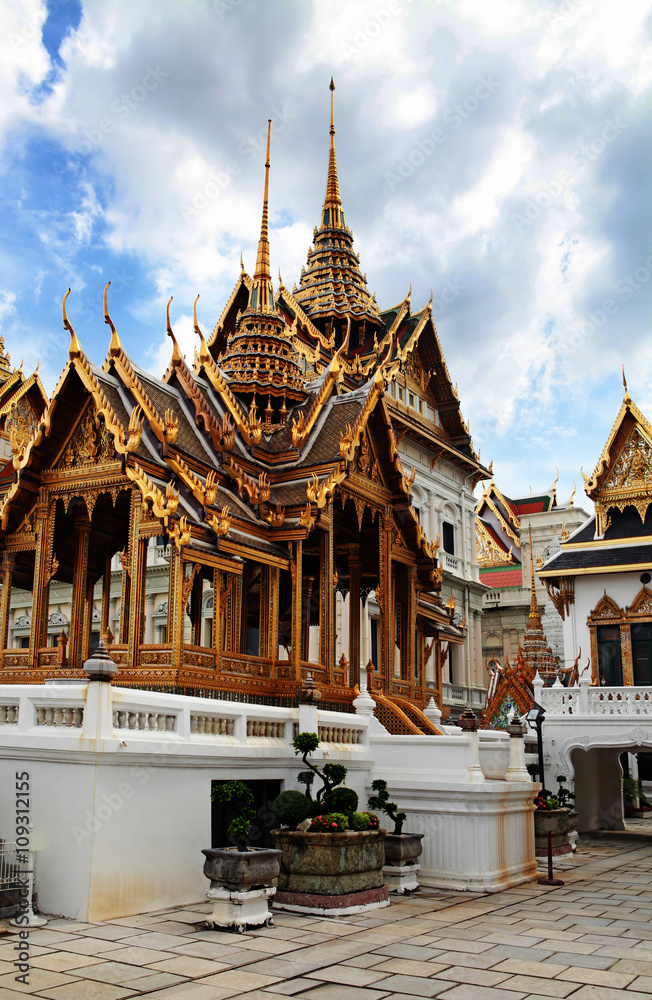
[[242, 877], [332, 858], [566, 799], [402, 850], [547, 810], [636, 802]]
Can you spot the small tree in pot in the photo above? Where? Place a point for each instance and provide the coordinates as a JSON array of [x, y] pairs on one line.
[[241, 877], [402, 850], [333, 862]]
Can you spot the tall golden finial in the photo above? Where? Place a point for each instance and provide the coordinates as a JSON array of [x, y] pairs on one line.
[[534, 618], [332, 214], [115, 346], [203, 346], [553, 499], [74, 351], [177, 356], [628, 398], [242, 270], [262, 272], [572, 496]]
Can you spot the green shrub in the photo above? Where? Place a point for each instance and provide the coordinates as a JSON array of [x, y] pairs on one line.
[[342, 800], [329, 823], [241, 799], [381, 801], [291, 808], [359, 821]]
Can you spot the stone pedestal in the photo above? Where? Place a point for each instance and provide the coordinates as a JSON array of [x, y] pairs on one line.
[[401, 878], [322, 905], [240, 910]]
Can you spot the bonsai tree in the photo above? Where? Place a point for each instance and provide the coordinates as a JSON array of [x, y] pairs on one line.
[[331, 775], [566, 798], [381, 801], [241, 799]]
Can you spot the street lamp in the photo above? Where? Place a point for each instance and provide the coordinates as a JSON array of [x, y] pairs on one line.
[[535, 718]]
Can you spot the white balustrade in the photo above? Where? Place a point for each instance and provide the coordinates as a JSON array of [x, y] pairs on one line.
[[8, 715], [265, 728], [341, 734], [60, 716], [604, 701], [213, 725], [149, 721]]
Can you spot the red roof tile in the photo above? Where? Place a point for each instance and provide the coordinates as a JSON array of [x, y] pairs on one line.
[[502, 577]]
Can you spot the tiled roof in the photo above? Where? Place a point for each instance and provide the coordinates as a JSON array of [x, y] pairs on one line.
[[502, 578]]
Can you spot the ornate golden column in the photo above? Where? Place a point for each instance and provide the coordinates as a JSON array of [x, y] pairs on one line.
[[8, 563], [78, 600], [306, 592], [137, 573], [269, 612], [176, 618], [385, 596], [197, 609], [41, 584], [217, 618], [326, 595], [296, 567], [411, 629], [354, 614], [106, 594]]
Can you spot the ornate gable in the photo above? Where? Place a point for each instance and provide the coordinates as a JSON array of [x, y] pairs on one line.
[[90, 444], [623, 475]]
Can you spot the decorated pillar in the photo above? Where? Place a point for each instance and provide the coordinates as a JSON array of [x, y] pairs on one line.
[[296, 568], [106, 594], [326, 595], [176, 617], [197, 608], [354, 615], [8, 563], [137, 573], [217, 617], [410, 639], [78, 600], [41, 583], [271, 638], [306, 585], [384, 596]]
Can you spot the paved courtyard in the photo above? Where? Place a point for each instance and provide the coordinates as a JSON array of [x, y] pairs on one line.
[[589, 940]]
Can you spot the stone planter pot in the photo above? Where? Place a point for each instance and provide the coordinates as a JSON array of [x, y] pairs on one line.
[[402, 851], [241, 886], [331, 872], [561, 818]]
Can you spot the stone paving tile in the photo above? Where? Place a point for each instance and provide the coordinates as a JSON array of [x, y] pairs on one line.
[[597, 977], [470, 947], [241, 979], [410, 951], [86, 946], [467, 992], [534, 984], [518, 967], [111, 932], [410, 967], [473, 977], [338, 992], [290, 987], [186, 966], [485, 961], [39, 979], [138, 956], [413, 985], [114, 972], [185, 991], [602, 993], [62, 961], [87, 991], [582, 961], [348, 975]]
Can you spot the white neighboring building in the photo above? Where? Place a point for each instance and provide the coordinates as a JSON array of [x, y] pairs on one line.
[[599, 582]]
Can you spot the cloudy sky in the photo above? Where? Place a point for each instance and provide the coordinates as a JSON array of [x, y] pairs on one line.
[[497, 152]]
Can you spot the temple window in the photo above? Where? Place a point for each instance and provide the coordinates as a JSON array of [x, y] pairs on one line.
[[448, 537], [610, 664], [642, 653]]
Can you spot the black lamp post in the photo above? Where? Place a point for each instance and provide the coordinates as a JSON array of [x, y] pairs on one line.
[[535, 718]]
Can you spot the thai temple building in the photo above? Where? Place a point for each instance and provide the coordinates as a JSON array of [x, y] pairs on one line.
[[22, 402], [515, 537], [248, 519]]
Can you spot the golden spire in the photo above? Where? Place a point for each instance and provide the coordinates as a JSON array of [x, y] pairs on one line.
[[332, 214], [177, 356], [628, 398], [115, 346], [74, 351], [262, 272], [534, 618]]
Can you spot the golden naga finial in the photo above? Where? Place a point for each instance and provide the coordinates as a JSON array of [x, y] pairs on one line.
[[429, 306], [115, 346], [570, 502], [628, 398], [177, 356], [409, 294], [242, 270], [554, 486], [74, 351], [280, 279], [204, 354]]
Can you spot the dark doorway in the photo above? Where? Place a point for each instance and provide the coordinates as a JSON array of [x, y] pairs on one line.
[[610, 663], [221, 815]]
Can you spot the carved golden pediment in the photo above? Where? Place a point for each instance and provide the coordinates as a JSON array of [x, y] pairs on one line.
[[632, 470], [90, 444]]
